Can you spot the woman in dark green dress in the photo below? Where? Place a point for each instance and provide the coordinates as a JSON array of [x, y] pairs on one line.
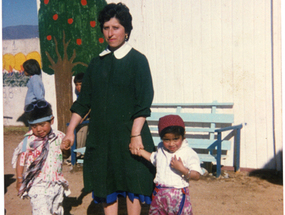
[[117, 87]]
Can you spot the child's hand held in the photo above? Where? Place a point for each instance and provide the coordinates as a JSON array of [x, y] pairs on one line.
[[65, 144], [65, 147]]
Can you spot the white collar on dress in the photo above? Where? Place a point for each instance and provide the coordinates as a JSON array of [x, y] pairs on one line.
[[120, 52]]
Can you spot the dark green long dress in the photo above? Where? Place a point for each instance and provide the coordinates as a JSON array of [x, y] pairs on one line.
[[117, 91]]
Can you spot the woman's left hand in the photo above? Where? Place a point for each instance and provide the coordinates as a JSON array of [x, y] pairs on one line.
[[135, 145]]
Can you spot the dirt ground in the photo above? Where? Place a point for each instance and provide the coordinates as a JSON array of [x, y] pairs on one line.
[[247, 193]]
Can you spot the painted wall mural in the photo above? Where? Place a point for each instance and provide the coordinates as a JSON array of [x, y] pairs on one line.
[[13, 72], [14, 53], [69, 38]]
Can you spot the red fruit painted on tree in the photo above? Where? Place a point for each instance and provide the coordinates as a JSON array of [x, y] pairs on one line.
[[101, 40], [92, 24], [70, 21], [55, 17], [48, 37], [46, 1], [79, 42], [84, 2]]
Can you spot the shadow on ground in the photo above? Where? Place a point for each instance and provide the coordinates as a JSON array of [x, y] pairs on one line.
[[70, 202], [8, 180], [98, 209], [272, 176]]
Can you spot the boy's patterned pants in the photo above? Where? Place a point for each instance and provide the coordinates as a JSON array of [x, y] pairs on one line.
[[46, 200]]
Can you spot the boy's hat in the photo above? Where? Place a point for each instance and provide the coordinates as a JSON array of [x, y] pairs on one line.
[[170, 120], [44, 119]]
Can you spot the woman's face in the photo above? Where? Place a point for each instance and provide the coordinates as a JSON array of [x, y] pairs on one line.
[[114, 33]]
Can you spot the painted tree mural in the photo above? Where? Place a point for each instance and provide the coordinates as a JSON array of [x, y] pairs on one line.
[[70, 37]]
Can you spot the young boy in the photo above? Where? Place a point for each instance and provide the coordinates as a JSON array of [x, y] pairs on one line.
[[176, 163], [40, 152]]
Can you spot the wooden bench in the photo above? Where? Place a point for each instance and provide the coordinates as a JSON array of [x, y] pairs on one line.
[[204, 126]]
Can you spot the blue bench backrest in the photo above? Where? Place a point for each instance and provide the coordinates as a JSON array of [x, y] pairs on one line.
[[200, 119]]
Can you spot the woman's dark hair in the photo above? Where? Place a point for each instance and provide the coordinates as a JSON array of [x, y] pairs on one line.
[[32, 67], [176, 130], [38, 113], [78, 78], [119, 11]]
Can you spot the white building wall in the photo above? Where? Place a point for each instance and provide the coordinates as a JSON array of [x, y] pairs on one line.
[[201, 50]]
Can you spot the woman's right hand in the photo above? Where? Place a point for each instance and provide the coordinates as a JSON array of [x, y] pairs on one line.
[[67, 141]]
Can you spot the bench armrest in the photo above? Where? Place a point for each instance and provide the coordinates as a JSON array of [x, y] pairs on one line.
[[84, 122], [229, 128], [219, 149]]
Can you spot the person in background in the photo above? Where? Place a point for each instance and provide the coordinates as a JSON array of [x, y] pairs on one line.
[[117, 86], [36, 90], [78, 82], [40, 153], [81, 129], [176, 163]]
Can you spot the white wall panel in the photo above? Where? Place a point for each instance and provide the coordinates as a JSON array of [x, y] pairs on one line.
[[248, 72], [187, 54], [206, 71], [260, 81], [216, 49], [238, 74]]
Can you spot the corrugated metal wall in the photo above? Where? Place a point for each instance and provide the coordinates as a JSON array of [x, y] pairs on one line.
[[205, 50]]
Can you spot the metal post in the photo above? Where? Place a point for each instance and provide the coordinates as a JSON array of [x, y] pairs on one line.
[[237, 162], [219, 154]]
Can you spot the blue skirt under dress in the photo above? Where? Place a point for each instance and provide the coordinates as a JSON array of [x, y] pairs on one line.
[[114, 196]]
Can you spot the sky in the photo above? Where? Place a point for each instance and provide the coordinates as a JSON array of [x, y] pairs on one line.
[[19, 12]]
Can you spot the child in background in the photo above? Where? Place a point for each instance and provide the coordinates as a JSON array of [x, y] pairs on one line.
[[36, 90], [40, 152], [176, 163], [78, 82], [81, 129]]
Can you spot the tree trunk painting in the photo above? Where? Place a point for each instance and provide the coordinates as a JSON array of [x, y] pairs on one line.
[[75, 24], [63, 80]]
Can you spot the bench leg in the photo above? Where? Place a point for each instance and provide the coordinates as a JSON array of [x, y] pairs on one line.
[[237, 161], [219, 154]]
